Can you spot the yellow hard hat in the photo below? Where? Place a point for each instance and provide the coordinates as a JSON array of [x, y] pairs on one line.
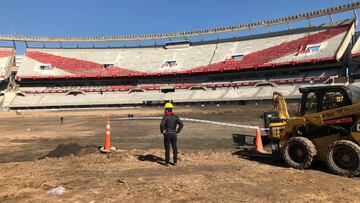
[[339, 98], [168, 106]]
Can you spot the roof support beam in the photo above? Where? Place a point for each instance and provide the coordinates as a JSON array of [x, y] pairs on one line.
[[277, 21]]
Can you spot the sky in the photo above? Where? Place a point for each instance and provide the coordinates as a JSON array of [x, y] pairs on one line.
[[136, 17]]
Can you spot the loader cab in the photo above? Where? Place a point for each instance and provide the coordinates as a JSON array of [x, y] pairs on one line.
[[321, 98]]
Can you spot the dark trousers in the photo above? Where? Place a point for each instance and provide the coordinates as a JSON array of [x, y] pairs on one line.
[[170, 139]]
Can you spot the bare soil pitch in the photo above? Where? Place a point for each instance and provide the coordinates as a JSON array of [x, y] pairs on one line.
[[37, 153]]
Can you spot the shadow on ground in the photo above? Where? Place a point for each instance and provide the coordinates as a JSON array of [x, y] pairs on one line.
[[249, 154], [151, 158], [273, 160], [245, 146]]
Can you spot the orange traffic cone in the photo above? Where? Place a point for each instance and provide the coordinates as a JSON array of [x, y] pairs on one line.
[[258, 142], [106, 147]]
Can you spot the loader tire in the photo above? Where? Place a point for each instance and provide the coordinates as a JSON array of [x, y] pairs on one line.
[[299, 152], [343, 158]]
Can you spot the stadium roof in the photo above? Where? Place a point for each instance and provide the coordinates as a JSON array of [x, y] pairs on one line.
[[277, 21]]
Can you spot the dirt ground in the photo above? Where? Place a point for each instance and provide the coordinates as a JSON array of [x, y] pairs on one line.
[[38, 153]]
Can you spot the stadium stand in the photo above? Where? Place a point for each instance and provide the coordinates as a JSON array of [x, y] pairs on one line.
[[313, 45], [6, 57], [272, 82], [229, 70], [64, 100], [355, 58], [239, 69]]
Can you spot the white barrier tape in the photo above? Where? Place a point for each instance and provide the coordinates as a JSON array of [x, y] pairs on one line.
[[196, 120]]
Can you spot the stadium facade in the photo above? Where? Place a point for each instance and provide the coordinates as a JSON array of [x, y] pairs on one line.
[[236, 69]]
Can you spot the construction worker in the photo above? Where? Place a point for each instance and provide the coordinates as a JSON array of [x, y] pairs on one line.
[[170, 126]]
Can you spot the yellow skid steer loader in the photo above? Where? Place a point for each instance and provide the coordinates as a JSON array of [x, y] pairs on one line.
[[327, 128]]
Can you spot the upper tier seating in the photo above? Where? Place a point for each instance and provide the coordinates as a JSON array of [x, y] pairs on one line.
[[306, 45]]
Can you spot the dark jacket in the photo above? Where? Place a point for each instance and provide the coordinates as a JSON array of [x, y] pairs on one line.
[[169, 123]]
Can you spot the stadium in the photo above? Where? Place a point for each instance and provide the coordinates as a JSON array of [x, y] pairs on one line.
[[235, 70], [57, 94]]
